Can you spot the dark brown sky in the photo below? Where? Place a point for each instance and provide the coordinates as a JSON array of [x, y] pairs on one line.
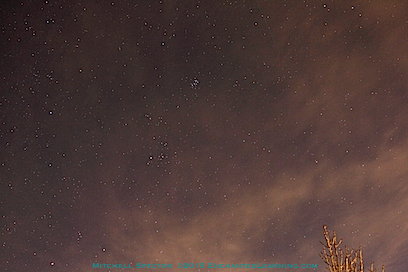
[[202, 131]]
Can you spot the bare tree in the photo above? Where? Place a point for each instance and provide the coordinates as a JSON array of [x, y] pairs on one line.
[[337, 260]]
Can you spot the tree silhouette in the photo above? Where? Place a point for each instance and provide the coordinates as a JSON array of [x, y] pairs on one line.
[[337, 260]]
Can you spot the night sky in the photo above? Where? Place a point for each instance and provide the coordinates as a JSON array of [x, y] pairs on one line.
[[202, 131]]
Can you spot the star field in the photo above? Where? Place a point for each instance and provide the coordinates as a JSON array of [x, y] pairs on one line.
[[201, 131]]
